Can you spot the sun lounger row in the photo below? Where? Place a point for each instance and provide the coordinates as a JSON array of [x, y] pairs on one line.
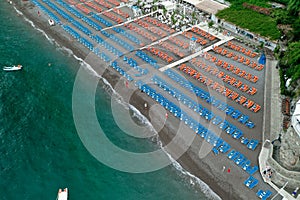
[[107, 45], [121, 71], [116, 3], [172, 49], [59, 11], [121, 13], [82, 28], [131, 62], [48, 12], [218, 87], [113, 17], [154, 30], [94, 6], [141, 32], [119, 41], [230, 67], [224, 77], [102, 55], [77, 36], [103, 21], [70, 9], [198, 39], [251, 182], [208, 135], [264, 195], [163, 55], [203, 33], [127, 35], [147, 58], [92, 23], [179, 42], [159, 24], [229, 110], [83, 8], [251, 144], [72, 2], [198, 108], [245, 51], [238, 58], [242, 161], [77, 24], [103, 3], [80, 16]]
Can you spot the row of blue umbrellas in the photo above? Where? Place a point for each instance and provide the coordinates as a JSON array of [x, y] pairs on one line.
[[47, 11], [133, 63], [121, 71], [147, 58], [102, 20], [203, 112], [127, 35], [229, 110], [208, 135]]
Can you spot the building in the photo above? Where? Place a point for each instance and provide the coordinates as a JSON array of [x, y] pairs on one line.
[[296, 118]]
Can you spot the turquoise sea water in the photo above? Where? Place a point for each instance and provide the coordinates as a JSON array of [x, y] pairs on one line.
[[40, 150]]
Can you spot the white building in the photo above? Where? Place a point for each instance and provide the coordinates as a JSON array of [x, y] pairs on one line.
[[296, 118], [170, 6]]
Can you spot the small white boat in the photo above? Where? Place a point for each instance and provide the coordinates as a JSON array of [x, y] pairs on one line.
[[51, 22], [13, 68], [62, 194]]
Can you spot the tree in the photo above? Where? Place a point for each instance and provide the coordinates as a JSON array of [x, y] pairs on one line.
[[294, 7], [291, 60], [210, 24]]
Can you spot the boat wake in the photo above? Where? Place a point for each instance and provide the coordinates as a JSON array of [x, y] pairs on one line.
[[193, 180]]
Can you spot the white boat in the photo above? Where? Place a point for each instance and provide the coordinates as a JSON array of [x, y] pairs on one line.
[[51, 22], [13, 68], [62, 194]]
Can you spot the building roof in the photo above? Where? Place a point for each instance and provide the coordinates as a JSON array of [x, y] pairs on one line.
[[296, 118], [210, 6]]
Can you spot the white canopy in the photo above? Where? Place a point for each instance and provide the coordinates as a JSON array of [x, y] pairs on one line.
[[296, 118]]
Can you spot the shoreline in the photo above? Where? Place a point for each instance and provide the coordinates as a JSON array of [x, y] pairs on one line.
[[199, 168]]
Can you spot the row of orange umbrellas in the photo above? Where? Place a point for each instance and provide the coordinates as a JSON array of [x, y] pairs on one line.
[[198, 39], [232, 68], [238, 58], [83, 8], [141, 32], [154, 30], [113, 17], [203, 33], [220, 88], [116, 3], [95, 7], [72, 2], [172, 49], [103, 3], [163, 55], [179, 42], [226, 78], [120, 12], [159, 24], [239, 48]]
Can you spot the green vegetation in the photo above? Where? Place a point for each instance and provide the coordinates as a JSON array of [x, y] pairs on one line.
[[266, 25], [248, 19]]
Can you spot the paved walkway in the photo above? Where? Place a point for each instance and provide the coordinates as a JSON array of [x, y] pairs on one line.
[[272, 128], [263, 158]]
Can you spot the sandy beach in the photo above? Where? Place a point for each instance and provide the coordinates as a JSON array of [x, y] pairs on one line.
[[228, 185]]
